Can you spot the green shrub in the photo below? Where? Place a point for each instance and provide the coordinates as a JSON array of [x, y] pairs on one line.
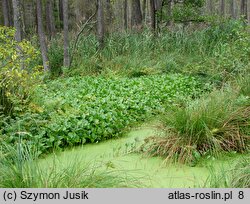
[[16, 74], [55, 55]]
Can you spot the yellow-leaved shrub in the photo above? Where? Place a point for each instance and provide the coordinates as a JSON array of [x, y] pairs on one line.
[[17, 74]]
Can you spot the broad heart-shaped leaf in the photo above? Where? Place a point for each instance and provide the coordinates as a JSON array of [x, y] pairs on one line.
[[91, 109]]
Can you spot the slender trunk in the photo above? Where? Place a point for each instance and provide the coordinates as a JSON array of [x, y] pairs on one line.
[[152, 15], [42, 35], [52, 18], [243, 8], [222, 7], [169, 12], [100, 24], [78, 13], [23, 20], [66, 61], [109, 12], [5, 12], [232, 9], [17, 20], [136, 15], [29, 17], [158, 4], [125, 14], [47, 20], [50, 21], [60, 13], [248, 11], [144, 5], [10, 13], [210, 6]]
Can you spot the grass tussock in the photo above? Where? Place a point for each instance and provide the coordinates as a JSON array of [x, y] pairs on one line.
[[244, 84], [212, 124], [20, 168], [240, 175], [236, 177]]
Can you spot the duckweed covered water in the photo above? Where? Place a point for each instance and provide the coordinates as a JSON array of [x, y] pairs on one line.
[[117, 154]]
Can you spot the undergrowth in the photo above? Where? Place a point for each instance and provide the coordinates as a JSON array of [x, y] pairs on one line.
[[217, 51], [212, 124], [77, 110], [238, 176], [20, 168]]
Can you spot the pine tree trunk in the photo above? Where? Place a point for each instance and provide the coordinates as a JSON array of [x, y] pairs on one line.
[[17, 20], [5, 12], [60, 13], [23, 20], [10, 13], [169, 12], [66, 61], [243, 8], [158, 4], [222, 7], [29, 16], [232, 9], [100, 24], [125, 17], [152, 15], [50, 20], [42, 35], [109, 12], [47, 20], [248, 11], [144, 5], [136, 15], [210, 7], [78, 13]]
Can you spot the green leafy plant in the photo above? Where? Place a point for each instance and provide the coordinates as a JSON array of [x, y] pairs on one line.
[[91, 109], [55, 54], [16, 74]]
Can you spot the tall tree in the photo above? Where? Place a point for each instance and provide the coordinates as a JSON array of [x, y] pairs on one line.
[[109, 12], [169, 12], [152, 15], [158, 4], [6, 12], [144, 6], [136, 14], [29, 17], [210, 6], [23, 19], [222, 7], [17, 19], [125, 17], [243, 8], [10, 12], [66, 61], [41, 34], [60, 12], [50, 20], [232, 9], [100, 23]]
